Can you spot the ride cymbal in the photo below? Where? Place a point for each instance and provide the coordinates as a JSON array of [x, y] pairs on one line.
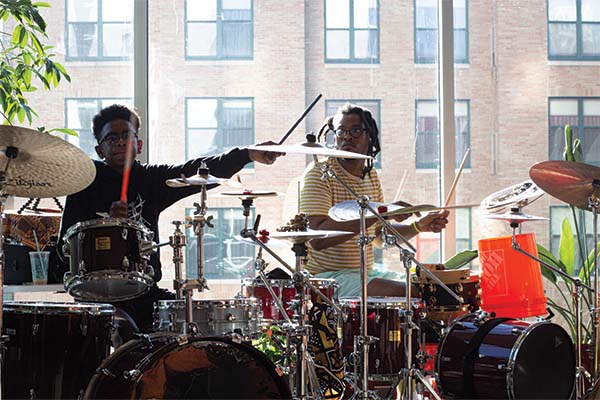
[[569, 181], [42, 165]]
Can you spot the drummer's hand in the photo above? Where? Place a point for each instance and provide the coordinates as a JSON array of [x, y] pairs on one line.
[[433, 222], [264, 157], [118, 209], [402, 217]]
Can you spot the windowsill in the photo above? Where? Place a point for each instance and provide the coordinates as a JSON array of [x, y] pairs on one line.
[[219, 62], [576, 63], [351, 65], [434, 66], [95, 63], [435, 170]]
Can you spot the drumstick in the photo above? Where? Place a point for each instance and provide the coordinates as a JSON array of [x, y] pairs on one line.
[[310, 106], [453, 187], [400, 186], [127, 170]]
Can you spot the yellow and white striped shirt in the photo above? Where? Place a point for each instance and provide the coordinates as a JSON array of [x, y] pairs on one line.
[[318, 196]]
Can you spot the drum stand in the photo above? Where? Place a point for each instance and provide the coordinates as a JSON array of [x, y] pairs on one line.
[[304, 379], [581, 375], [363, 341]]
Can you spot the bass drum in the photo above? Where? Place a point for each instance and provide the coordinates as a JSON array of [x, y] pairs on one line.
[[502, 358], [169, 366]]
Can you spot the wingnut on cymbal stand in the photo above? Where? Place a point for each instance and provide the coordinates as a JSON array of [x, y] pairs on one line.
[[363, 341], [581, 375], [303, 379]]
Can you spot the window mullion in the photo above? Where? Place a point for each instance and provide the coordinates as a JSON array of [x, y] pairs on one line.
[[351, 31], [100, 32], [579, 30]]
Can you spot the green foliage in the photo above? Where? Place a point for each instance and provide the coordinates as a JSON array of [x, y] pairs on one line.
[[272, 343], [24, 59]]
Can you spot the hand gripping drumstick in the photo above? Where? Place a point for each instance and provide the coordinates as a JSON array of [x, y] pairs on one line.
[[453, 187]]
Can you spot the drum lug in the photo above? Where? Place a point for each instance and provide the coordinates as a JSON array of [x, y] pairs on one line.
[[132, 375], [516, 331], [124, 233], [35, 328], [106, 372], [81, 267], [84, 328], [459, 288], [377, 318], [504, 367], [125, 264], [66, 249], [230, 317]]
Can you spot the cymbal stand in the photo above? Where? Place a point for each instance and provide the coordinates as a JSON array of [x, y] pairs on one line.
[[178, 242], [581, 375], [11, 153]]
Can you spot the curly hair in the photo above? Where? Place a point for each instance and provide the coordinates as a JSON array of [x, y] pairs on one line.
[[111, 113], [366, 118]]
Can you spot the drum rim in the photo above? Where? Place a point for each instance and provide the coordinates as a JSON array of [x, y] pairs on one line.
[[57, 308], [104, 222], [380, 301], [320, 283], [220, 303], [139, 277]]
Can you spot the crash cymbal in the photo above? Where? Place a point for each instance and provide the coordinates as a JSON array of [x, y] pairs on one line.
[[195, 180], [514, 217], [569, 181], [305, 236], [349, 210], [309, 148], [518, 195], [43, 165], [270, 242]]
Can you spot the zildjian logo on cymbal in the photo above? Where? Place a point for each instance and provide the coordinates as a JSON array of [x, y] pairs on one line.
[[27, 182]]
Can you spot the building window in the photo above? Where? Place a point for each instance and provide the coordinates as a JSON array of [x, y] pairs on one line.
[[99, 30], [224, 256], [215, 125], [219, 29], [585, 227], [573, 30], [428, 133], [352, 31], [583, 114], [331, 106], [428, 244], [79, 114], [426, 31]]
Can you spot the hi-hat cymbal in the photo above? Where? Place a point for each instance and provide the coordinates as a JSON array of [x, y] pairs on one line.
[[569, 181], [195, 180], [518, 195], [309, 148], [514, 217], [305, 236], [43, 165]]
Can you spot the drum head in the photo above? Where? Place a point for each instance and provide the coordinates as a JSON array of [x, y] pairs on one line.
[[545, 363], [108, 285]]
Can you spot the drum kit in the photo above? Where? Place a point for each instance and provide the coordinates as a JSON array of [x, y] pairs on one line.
[[462, 336]]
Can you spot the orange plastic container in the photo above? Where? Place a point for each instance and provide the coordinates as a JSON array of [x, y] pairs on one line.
[[511, 283]]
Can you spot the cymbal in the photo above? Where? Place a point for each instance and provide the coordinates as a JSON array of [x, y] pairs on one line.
[[518, 195], [44, 166], [305, 236], [349, 210], [271, 243], [249, 194], [425, 208], [514, 217], [195, 180], [569, 181], [309, 148]]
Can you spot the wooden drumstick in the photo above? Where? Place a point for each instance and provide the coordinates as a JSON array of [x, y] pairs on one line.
[[453, 187]]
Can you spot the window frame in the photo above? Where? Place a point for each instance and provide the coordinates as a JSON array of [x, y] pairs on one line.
[[99, 37], [351, 31], [421, 60], [457, 161], [579, 56], [219, 123], [578, 131], [219, 28]]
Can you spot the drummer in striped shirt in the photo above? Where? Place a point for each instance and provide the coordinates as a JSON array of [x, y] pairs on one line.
[[338, 257]]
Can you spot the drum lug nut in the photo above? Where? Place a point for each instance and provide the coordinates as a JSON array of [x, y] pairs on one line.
[[125, 264], [106, 372], [504, 367], [35, 328], [377, 318], [182, 340], [82, 269], [132, 375], [124, 234], [230, 317], [515, 331]]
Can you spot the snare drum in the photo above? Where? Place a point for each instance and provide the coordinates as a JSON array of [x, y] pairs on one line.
[[213, 317], [384, 321], [502, 358], [169, 366], [107, 261], [53, 349], [286, 292]]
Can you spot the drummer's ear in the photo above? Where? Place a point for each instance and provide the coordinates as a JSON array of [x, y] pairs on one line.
[[140, 144], [100, 152]]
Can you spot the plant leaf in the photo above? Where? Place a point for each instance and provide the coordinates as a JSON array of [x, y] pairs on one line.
[[546, 256], [66, 131], [589, 267], [461, 259], [566, 247]]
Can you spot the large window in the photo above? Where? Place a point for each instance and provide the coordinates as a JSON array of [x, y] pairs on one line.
[[331, 106], [428, 133], [79, 113], [584, 225], [583, 114], [352, 31], [218, 124], [573, 30], [428, 244], [426, 31], [99, 30], [224, 256], [218, 29]]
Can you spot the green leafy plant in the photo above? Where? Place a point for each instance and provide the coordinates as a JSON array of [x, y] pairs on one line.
[[272, 343], [25, 60]]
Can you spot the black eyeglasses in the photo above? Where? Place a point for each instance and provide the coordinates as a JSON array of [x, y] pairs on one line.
[[114, 138], [354, 132]]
